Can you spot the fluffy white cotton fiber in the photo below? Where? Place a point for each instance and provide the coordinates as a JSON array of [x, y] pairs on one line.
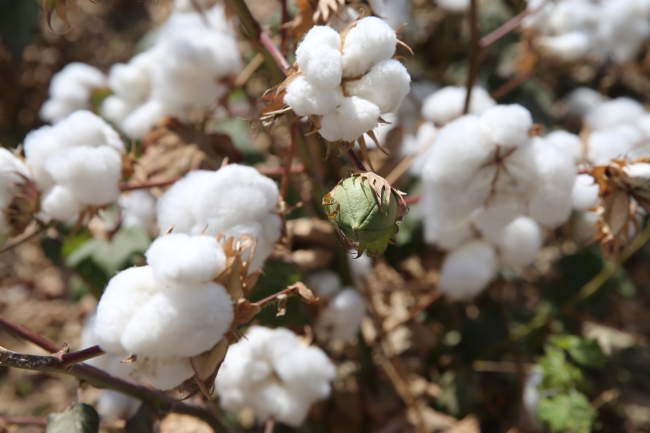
[[467, 270]]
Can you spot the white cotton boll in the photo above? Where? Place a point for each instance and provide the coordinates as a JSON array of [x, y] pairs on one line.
[[190, 5], [272, 400], [370, 41], [448, 103], [567, 47], [613, 113], [55, 110], [585, 192], [500, 211], [115, 109], [531, 398], [316, 36], [306, 99], [569, 143], [350, 120], [582, 100], [92, 174], [324, 67], [569, 16], [444, 234], [360, 269], [132, 81], [385, 85], [422, 142], [324, 284], [453, 5], [59, 203], [643, 125], [584, 225], [306, 372], [115, 405], [539, 20], [125, 294], [178, 259], [342, 316], [167, 373], [507, 125], [603, 146], [138, 208], [185, 320], [638, 171], [467, 270], [265, 241], [519, 242], [551, 203], [179, 205], [84, 128]]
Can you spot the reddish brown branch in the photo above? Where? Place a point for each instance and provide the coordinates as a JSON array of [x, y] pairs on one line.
[[284, 182], [474, 54], [24, 334], [356, 161], [509, 26]]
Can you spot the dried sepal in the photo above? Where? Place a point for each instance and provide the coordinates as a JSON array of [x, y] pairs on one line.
[[24, 204]]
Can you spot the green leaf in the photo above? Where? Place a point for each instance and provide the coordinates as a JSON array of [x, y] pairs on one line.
[[584, 351], [558, 372], [567, 413], [80, 418]]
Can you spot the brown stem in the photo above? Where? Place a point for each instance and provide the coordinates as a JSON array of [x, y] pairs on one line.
[[509, 26], [273, 297], [474, 54], [68, 359], [356, 161], [23, 333], [411, 199], [284, 182], [298, 168], [510, 85]]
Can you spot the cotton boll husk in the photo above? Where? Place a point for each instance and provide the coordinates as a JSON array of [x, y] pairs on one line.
[[91, 174], [306, 373], [585, 192], [582, 100], [266, 234], [385, 85], [179, 206], [551, 203], [324, 67], [453, 5], [11, 171], [519, 242], [324, 284], [125, 294], [200, 316], [178, 259], [316, 36], [467, 270], [613, 113], [272, 400], [569, 143], [115, 405], [507, 125], [603, 146], [141, 120], [306, 99], [59, 203], [447, 104], [138, 208], [370, 41], [166, 373], [350, 120], [342, 316]]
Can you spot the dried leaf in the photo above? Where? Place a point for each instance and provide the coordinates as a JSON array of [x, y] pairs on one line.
[[60, 7], [324, 9], [245, 311], [304, 292], [303, 21]]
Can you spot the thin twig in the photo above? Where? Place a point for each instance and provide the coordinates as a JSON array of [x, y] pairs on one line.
[[509, 26], [510, 85], [151, 184], [68, 359], [412, 199], [298, 168], [474, 54], [284, 182], [356, 161], [25, 334]]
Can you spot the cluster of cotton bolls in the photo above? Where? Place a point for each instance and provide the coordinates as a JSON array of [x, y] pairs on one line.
[[138, 208], [573, 29], [76, 164], [186, 69], [446, 104], [344, 310], [13, 171], [235, 200], [349, 80], [167, 311], [271, 372], [487, 188]]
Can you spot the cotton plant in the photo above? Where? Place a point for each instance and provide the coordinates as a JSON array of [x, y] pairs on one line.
[[186, 70], [18, 196], [235, 200], [344, 306], [76, 165], [70, 90], [167, 312], [273, 373], [346, 81]]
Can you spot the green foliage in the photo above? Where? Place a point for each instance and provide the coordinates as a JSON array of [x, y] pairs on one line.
[[584, 351], [559, 374], [567, 413], [80, 418]]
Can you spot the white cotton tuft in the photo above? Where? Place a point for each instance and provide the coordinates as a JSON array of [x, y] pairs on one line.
[[350, 120], [567, 47], [614, 113], [569, 143], [551, 203], [467, 270], [585, 192], [603, 146], [70, 90], [165, 373], [139, 122], [360, 269], [324, 284], [507, 125], [447, 104], [385, 85], [519, 242], [324, 68], [370, 41], [638, 171], [342, 316], [178, 259], [315, 37], [138, 208], [115, 405], [59, 203], [306, 99], [179, 321], [453, 5], [445, 235], [132, 81], [582, 100]]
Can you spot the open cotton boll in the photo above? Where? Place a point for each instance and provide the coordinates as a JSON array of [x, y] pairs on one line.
[[307, 372], [132, 81], [370, 41], [551, 203], [115, 109], [138, 208], [125, 294], [59, 203], [613, 113], [507, 125], [385, 85], [140, 121], [190, 5], [324, 284], [306, 99], [447, 104], [115, 405], [350, 120], [70, 90], [585, 192], [324, 67], [176, 321], [84, 128], [467, 270], [316, 36], [178, 259], [569, 16], [272, 400], [360, 269], [179, 206], [569, 143], [567, 47], [165, 373], [342, 316], [422, 142], [603, 146], [519, 242], [500, 211], [582, 100], [453, 5], [447, 235], [91, 174]]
